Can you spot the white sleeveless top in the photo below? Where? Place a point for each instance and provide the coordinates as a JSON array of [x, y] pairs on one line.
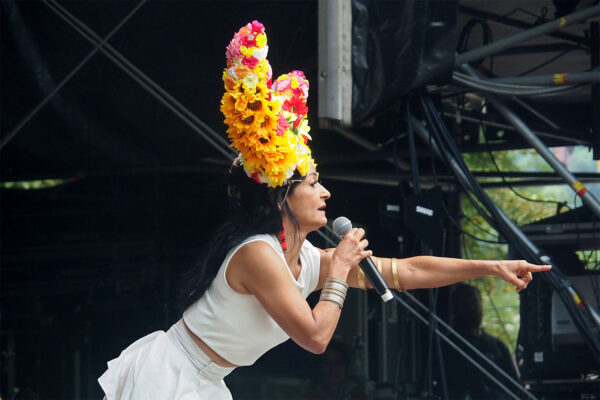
[[235, 325]]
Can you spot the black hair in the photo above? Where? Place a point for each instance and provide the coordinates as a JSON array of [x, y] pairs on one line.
[[253, 209]]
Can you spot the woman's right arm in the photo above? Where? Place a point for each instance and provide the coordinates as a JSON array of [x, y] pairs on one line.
[[261, 272]]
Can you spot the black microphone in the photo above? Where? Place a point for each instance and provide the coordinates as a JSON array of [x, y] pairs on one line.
[[341, 226]]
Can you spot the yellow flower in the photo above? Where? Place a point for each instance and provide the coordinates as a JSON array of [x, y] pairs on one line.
[[261, 40], [303, 165], [247, 51], [252, 113]]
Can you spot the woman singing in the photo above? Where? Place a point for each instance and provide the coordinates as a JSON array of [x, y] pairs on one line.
[[248, 292]]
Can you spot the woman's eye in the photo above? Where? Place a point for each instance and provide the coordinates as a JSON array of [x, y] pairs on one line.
[[314, 183]]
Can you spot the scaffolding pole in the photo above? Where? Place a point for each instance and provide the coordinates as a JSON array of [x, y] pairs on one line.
[[510, 41], [551, 79], [586, 196], [559, 282]]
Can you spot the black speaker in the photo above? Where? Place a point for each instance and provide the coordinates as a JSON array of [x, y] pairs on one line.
[[398, 46]]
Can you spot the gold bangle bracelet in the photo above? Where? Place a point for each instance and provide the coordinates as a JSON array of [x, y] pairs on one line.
[[395, 275], [379, 267], [360, 275]]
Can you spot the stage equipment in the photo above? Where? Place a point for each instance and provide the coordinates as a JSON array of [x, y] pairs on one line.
[[549, 345], [371, 53], [564, 331], [335, 55], [581, 313], [424, 217], [548, 27], [446, 148], [586, 196]]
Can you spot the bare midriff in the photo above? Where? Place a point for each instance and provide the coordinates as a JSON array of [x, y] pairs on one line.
[[208, 351]]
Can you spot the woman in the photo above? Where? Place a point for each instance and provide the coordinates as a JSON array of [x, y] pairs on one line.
[[248, 292]]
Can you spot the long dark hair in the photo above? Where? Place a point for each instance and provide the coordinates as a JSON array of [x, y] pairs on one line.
[[253, 209]]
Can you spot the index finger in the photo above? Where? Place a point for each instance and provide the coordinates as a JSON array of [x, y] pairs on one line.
[[537, 268]]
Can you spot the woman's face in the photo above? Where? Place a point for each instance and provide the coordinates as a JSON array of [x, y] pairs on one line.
[[307, 202]]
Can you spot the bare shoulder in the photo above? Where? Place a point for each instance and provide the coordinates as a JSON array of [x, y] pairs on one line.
[[254, 260], [256, 247]]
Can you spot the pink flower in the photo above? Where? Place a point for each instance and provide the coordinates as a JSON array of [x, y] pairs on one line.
[[233, 50], [250, 62], [282, 125], [281, 85], [249, 41], [257, 27]]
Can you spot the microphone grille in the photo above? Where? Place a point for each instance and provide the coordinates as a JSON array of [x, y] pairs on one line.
[[341, 226]]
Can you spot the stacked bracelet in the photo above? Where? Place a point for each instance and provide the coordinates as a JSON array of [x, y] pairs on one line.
[[334, 291]]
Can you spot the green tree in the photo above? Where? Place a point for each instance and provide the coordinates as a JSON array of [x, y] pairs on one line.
[[500, 302]]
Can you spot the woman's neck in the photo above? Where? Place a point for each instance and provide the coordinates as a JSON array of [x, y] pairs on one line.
[[294, 239]]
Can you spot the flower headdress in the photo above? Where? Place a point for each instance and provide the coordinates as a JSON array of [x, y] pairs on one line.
[[267, 120]]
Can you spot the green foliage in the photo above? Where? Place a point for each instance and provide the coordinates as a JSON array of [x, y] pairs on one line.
[[591, 259], [500, 301], [32, 185]]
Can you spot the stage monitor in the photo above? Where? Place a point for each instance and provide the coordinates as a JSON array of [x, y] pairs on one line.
[[564, 331]]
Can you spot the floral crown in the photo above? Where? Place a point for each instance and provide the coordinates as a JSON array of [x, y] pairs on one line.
[[267, 120]]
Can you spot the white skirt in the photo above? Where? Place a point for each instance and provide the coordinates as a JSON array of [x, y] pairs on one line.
[[164, 366]]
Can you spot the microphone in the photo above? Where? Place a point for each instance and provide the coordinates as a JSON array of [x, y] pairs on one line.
[[341, 226]]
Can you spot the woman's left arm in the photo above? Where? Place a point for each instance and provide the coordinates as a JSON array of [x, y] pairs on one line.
[[428, 272]]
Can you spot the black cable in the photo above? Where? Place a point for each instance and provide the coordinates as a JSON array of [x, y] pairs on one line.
[[469, 219], [454, 222], [446, 159], [543, 64], [465, 36], [539, 18], [478, 226], [582, 318], [462, 231], [556, 279], [464, 245], [432, 293], [446, 143], [559, 204]]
